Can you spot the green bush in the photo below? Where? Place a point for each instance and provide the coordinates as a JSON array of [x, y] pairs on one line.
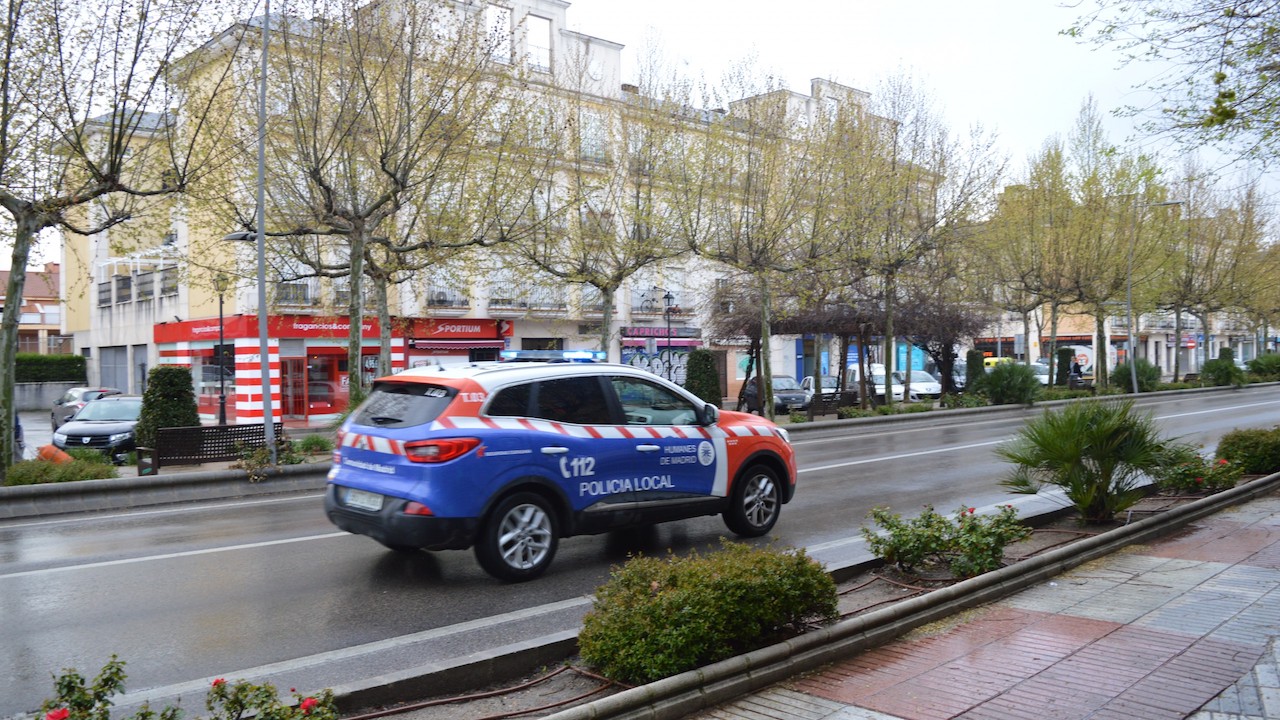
[[34, 368], [1223, 371], [974, 371], [1010, 384], [314, 444], [1062, 393], [1255, 450], [1176, 386], [701, 377], [169, 401], [1266, 367], [1097, 452], [968, 546], [1185, 470], [655, 618], [34, 472], [1148, 376], [848, 412], [965, 400]]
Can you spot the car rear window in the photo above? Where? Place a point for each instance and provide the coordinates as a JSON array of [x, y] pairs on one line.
[[401, 404]]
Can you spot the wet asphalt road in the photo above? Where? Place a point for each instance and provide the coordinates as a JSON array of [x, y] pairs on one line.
[[201, 591]]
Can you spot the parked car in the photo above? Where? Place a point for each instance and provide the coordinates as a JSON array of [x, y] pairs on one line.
[[105, 424], [959, 376], [829, 383], [923, 385], [1042, 372], [877, 381], [787, 395], [507, 458], [74, 399]]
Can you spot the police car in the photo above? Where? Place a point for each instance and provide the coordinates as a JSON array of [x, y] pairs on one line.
[[509, 457]]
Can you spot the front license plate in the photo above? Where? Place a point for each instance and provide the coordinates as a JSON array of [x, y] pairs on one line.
[[363, 500]]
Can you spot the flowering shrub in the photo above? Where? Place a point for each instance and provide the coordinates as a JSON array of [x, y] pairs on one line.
[[970, 545], [77, 700], [1200, 475]]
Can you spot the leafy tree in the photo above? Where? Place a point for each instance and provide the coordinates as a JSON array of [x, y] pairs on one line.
[[1217, 79], [86, 137], [169, 401], [1096, 452]]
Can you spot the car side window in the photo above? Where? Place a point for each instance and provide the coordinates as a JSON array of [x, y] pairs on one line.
[[646, 403], [579, 400], [511, 401]]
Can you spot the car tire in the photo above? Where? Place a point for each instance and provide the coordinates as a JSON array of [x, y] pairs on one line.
[[518, 539], [755, 502]]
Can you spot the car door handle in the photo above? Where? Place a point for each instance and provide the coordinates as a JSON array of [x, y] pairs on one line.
[[555, 450], [648, 448]]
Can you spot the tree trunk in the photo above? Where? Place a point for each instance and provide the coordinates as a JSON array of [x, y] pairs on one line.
[[890, 288], [355, 307], [1100, 351], [24, 234], [764, 385], [607, 296], [384, 325], [1177, 344]]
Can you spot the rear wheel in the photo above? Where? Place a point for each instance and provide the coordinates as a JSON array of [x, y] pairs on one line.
[[755, 503], [519, 538]]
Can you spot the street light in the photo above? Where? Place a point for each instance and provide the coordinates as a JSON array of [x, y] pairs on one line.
[[1133, 356], [667, 300], [220, 283]]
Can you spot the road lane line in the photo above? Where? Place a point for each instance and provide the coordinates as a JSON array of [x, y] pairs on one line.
[[170, 556]]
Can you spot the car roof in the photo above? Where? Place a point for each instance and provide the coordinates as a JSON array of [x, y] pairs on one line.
[[116, 398], [493, 374]]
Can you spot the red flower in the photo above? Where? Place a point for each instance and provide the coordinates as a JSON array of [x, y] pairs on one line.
[[1222, 461], [307, 705], [59, 714], [972, 511], [219, 682]]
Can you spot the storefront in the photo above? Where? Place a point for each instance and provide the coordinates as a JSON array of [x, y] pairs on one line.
[[660, 350], [434, 341], [308, 360]]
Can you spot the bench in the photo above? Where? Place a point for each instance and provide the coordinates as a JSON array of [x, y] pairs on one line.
[[201, 444], [829, 402]]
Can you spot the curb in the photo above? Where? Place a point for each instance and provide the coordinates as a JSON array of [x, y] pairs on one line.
[[27, 501], [681, 695]]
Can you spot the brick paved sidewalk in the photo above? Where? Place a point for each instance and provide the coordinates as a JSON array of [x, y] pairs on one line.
[[1184, 627]]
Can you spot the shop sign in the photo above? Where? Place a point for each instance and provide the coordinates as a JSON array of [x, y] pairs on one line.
[[645, 331]]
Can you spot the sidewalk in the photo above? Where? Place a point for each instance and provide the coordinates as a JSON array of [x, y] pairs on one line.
[[1182, 627]]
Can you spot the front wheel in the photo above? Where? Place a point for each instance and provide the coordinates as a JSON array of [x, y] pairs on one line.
[[755, 502], [518, 540]]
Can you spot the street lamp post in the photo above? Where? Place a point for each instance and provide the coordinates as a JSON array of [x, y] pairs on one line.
[[220, 283], [1128, 288], [667, 300]]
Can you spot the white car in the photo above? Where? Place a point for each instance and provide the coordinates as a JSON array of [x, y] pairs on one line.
[[829, 383], [923, 385], [877, 380]]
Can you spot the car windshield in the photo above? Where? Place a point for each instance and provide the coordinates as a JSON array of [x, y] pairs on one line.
[[828, 382], [877, 378], [785, 383], [403, 404], [111, 411]]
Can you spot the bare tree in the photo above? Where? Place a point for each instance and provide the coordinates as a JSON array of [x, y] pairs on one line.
[[87, 140]]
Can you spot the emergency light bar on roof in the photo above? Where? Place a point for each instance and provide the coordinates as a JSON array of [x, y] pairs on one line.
[[553, 355]]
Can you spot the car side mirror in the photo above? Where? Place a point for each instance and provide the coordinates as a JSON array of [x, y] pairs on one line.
[[709, 415]]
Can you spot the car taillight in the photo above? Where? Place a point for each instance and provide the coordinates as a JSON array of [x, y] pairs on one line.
[[437, 451], [417, 508]]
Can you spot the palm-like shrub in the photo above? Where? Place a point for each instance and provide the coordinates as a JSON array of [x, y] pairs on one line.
[[1265, 366], [1223, 371], [1148, 376], [1010, 384], [1095, 451]]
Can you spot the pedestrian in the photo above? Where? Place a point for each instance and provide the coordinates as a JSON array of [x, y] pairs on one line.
[[1073, 378]]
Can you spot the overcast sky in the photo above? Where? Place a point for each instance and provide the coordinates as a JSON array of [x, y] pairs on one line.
[[1001, 63]]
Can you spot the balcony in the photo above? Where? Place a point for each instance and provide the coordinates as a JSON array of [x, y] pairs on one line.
[[446, 303]]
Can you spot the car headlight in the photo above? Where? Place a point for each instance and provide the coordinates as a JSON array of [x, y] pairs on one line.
[[60, 438], [119, 437], [786, 436]]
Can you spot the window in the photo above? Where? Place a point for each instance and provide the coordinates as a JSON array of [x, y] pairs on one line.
[[169, 281], [511, 402], [645, 403], [124, 288], [578, 400], [592, 141], [294, 293], [538, 42], [146, 286], [497, 26], [104, 294]]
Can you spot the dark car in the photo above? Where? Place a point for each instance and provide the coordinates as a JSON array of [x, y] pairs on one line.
[[787, 395], [105, 424], [72, 400]]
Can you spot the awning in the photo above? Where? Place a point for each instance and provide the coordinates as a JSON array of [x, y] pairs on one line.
[[456, 344]]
